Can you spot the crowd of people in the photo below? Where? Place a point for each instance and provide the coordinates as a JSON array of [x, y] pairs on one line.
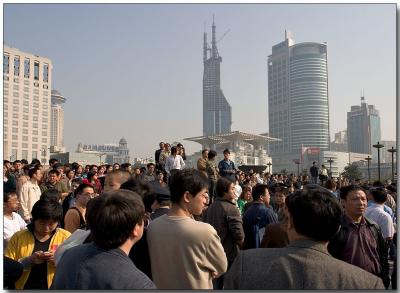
[[167, 226]]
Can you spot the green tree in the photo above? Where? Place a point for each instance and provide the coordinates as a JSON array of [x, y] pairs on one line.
[[352, 172]]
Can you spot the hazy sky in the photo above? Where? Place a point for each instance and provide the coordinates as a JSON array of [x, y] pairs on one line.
[[135, 70]]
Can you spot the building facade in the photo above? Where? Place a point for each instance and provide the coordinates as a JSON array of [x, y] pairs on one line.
[[363, 129], [57, 122], [298, 96], [217, 114], [340, 142], [298, 105], [27, 104]]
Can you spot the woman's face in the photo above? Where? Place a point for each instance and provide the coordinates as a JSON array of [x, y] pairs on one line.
[[160, 176], [247, 195], [71, 174], [279, 198]]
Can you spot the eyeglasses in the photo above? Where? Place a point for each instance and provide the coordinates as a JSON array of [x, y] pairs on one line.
[[91, 195]]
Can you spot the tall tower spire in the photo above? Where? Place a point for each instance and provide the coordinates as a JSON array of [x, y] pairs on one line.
[[204, 45], [214, 42]]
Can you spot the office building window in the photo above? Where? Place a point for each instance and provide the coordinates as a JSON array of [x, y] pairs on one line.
[[24, 124], [24, 131], [15, 115], [34, 139], [24, 138], [35, 118], [46, 72], [25, 117], [16, 65], [15, 102], [34, 154], [6, 63], [36, 98], [26, 89], [34, 146], [36, 91], [15, 123], [44, 140], [44, 133], [24, 154], [36, 70], [34, 132], [15, 137], [25, 145], [15, 94], [26, 110], [27, 64]]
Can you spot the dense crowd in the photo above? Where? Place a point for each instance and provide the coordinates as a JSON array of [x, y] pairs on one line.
[[166, 226]]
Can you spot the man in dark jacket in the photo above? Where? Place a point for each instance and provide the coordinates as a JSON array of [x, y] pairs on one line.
[[359, 240], [257, 216], [224, 216], [227, 167], [314, 173]]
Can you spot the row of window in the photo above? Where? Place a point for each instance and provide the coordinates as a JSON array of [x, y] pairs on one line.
[[27, 67]]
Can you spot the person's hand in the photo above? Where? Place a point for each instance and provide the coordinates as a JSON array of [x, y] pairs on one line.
[[37, 258], [48, 256], [214, 275]]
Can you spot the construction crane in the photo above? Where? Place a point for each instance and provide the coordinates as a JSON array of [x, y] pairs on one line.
[[223, 35]]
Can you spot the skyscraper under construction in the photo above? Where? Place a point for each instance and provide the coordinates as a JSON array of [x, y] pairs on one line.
[[217, 115]]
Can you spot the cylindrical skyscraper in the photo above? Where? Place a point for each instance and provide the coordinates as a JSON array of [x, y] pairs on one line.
[[298, 105]]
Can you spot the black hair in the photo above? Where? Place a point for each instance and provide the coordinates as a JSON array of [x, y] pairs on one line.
[[51, 194], [35, 162], [52, 161], [53, 171], [378, 183], [6, 162], [379, 194], [90, 175], [222, 186], [81, 187], [32, 171], [174, 150], [143, 189], [203, 151], [17, 161], [258, 191], [117, 214], [47, 209], [345, 190], [315, 213], [191, 180], [24, 161], [212, 154], [76, 167], [150, 164], [58, 165], [7, 195]]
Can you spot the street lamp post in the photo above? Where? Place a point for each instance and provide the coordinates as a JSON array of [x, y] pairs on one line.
[[369, 174], [379, 146], [330, 161], [101, 155], [392, 151], [269, 167], [297, 162]]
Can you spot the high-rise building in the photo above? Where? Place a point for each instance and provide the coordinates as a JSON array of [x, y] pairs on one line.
[[217, 116], [57, 122], [340, 142], [27, 99], [298, 104], [363, 129]]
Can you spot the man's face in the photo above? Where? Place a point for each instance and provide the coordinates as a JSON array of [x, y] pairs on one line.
[[52, 178], [61, 171], [226, 156], [198, 202], [266, 196], [151, 169], [355, 203], [205, 155], [95, 169], [161, 145], [17, 166], [111, 183]]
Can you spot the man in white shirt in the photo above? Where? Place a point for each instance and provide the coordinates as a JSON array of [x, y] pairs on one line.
[[174, 162], [376, 213], [30, 193], [12, 221]]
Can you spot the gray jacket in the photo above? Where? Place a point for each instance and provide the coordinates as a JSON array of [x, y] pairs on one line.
[[88, 267], [303, 265]]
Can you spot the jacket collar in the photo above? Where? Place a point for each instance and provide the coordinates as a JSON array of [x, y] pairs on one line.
[[223, 199], [310, 244]]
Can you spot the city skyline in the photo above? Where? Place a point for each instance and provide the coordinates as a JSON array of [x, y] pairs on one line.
[[149, 55]]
